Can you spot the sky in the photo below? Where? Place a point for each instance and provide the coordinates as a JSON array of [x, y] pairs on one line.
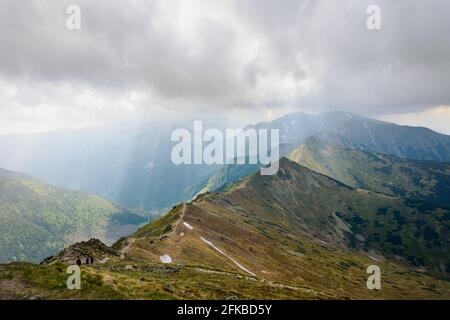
[[240, 61]]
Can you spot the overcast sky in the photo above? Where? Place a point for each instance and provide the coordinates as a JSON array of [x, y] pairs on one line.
[[240, 60]]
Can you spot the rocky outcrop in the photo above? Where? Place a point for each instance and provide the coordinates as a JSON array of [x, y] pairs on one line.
[[86, 252]]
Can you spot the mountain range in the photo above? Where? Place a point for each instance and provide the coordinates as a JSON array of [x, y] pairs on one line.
[[298, 202], [297, 234], [130, 164], [358, 132], [350, 192], [416, 179]]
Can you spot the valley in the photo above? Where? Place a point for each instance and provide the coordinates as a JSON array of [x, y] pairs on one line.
[[130, 164], [38, 220], [338, 205], [268, 236]]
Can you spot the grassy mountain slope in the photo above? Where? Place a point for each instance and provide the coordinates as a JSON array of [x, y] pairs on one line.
[[422, 180], [38, 220], [294, 235], [300, 203]]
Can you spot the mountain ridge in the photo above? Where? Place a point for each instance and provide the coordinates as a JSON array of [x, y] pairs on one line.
[[292, 235], [320, 220], [416, 179], [122, 163]]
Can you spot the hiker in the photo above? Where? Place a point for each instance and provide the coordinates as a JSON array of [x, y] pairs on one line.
[[92, 260], [87, 260], [78, 261]]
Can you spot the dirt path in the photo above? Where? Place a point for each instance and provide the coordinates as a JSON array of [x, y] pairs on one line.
[[183, 211], [188, 226]]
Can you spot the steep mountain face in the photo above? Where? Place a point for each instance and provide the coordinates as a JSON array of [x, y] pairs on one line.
[[37, 220], [422, 180], [130, 165], [363, 133], [372, 135], [294, 127]]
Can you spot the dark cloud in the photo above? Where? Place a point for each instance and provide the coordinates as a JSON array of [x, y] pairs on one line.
[[402, 67], [246, 54]]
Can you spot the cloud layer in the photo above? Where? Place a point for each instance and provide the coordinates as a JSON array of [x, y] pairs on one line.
[[246, 59]]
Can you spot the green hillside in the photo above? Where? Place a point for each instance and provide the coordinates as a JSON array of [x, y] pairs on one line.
[[301, 205], [294, 235], [37, 220], [300, 200], [423, 180]]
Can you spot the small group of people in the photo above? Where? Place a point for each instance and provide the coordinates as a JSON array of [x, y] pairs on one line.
[[89, 260]]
